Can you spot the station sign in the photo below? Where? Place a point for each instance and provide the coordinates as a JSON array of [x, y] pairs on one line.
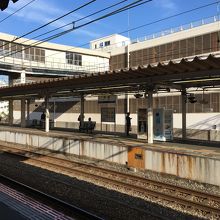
[[107, 99]]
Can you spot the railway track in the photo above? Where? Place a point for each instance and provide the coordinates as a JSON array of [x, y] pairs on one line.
[[190, 201]]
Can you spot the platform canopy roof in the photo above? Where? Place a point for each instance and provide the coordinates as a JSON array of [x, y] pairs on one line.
[[198, 71]]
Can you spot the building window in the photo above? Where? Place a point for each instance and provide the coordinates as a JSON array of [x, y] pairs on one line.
[[101, 44], [34, 54], [108, 114], [74, 58], [16, 51], [95, 46], [1, 48], [107, 43]]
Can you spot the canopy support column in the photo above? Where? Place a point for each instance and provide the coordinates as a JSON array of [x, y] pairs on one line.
[[184, 98], [10, 103], [23, 113], [10, 108], [82, 100], [28, 112], [150, 134], [47, 113]]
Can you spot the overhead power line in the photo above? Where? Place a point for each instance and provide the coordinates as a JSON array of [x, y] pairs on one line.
[[85, 18], [17, 11], [129, 6], [150, 23], [80, 7], [71, 23], [172, 16], [30, 32], [138, 27], [157, 21]]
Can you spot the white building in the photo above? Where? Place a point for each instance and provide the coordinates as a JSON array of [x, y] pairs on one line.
[[41, 58], [109, 43]]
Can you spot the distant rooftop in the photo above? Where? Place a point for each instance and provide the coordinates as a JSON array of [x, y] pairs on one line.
[[184, 27], [166, 32]]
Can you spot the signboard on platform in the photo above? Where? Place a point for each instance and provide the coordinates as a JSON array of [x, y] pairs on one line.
[[107, 99]]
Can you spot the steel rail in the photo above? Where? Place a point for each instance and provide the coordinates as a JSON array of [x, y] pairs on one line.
[[140, 210], [153, 192]]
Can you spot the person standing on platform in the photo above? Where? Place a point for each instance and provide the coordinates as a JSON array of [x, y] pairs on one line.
[[80, 120], [89, 128], [128, 123], [43, 116]]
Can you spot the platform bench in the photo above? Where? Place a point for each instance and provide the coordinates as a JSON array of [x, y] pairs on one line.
[[87, 126]]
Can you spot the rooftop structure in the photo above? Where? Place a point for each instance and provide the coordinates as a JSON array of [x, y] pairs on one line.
[[183, 42], [109, 42]]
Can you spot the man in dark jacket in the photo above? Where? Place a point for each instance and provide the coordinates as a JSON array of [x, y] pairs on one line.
[[128, 123]]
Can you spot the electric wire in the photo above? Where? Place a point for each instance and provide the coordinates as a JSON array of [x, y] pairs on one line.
[[50, 22], [148, 24], [132, 29], [129, 6], [71, 23], [17, 11], [65, 25], [112, 13], [172, 16]]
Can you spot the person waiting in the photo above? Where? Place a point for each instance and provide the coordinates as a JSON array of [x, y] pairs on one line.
[[128, 123], [90, 125], [42, 119]]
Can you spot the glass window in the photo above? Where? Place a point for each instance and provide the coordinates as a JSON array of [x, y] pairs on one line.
[[73, 58], [6, 48], [107, 43], [108, 114], [1, 48], [34, 54], [78, 60]]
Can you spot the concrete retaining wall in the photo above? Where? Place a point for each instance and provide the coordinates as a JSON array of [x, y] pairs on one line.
[[101, 151], [185, 165], [202, 169]]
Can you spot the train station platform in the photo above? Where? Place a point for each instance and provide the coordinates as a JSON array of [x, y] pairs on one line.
[[15, 205], [198, 161], [8, 213]]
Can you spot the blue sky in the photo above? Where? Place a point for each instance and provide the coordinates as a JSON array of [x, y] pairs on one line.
[[41, 11]]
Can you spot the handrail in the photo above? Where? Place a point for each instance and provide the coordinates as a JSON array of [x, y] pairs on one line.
[[183, 27], [50, 64]]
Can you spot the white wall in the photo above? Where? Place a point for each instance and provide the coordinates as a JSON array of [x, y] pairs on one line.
[[116, 40], [55, 57], [202, 121]]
